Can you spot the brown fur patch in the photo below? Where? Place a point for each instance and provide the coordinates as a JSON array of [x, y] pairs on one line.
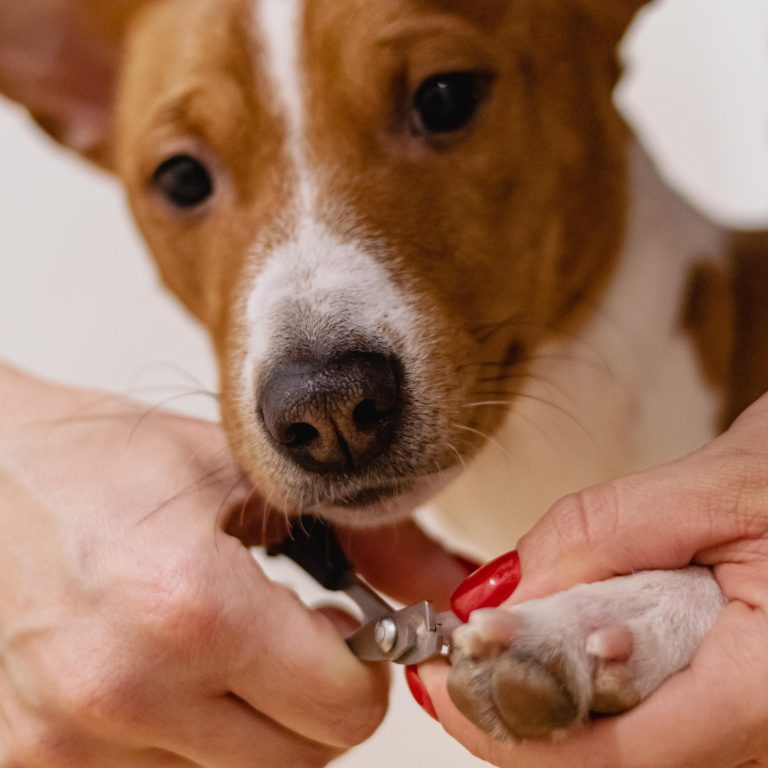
[[708, 318], [726, 315], [748, 377]]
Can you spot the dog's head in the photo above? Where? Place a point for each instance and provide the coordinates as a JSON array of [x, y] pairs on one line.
[[379, 209]]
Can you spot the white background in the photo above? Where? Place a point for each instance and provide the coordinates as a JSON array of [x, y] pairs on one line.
[[79, 301]]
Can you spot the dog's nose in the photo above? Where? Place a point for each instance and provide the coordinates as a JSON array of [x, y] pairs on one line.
[[336, 415]]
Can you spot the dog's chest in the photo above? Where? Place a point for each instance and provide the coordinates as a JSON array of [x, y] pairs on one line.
[[624, 392]]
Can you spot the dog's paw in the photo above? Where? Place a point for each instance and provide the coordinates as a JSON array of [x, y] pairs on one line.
[[541, 668]]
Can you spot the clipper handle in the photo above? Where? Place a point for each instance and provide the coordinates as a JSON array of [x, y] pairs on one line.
[[313, 545]]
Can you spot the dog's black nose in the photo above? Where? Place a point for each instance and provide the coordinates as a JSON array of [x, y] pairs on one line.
[[336, 415]]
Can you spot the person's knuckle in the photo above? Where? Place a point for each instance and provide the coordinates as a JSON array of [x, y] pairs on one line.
[[365, 724], [576, 516], [320, 757], [351, 710], [181, 608], [101, 692]]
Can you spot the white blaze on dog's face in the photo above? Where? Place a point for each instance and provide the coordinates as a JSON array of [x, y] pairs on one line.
[[379, 210]]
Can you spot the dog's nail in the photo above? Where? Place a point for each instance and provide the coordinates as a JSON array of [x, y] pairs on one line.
[[470, 566], [487, 587], [611, 643], [419, 690]]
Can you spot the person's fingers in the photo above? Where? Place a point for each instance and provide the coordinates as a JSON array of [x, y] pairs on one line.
[[225, 732], [248, 518], [171, 761], [153, 759], [405, 563], [344, 623], [145, 758], [711, 715], [660, 518], [292, 664]]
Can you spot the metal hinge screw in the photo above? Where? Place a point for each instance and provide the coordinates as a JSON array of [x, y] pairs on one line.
[[385, 634]]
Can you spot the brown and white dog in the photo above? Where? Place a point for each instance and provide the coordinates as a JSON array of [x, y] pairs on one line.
[[421, 237]]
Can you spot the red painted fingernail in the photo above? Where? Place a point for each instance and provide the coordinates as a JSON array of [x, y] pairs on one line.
[[419, 690], [469, 565], [488, 586]]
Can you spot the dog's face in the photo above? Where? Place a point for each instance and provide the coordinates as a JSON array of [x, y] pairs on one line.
[[380, 210]]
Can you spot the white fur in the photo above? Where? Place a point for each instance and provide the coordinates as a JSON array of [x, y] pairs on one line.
[[279, 25], [625, 393], [320, 287]]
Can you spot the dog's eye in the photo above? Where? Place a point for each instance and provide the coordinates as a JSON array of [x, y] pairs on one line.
[[184, 181], [446, 102]]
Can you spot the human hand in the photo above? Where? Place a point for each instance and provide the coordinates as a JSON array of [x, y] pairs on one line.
[[135, 627], [710, 508]]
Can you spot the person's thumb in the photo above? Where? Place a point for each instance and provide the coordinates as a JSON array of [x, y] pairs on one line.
[[659, 518], [405, 563]]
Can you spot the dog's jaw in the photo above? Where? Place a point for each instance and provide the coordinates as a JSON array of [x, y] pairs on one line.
[[398, 504]]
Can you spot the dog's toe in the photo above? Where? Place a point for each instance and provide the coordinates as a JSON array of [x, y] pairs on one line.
[[468, 687], [613, 685], [531, 697]]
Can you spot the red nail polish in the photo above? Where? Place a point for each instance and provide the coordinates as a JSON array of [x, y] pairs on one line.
[[488, 586], [419, 690]]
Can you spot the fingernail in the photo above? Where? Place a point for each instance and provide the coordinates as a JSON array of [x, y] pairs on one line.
[[470, 566], [419, 690], [488, 586]]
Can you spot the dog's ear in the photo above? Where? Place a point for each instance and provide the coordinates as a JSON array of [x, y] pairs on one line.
[[61, 60]]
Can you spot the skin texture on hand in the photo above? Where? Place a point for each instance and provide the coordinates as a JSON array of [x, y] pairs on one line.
[[709, 508], [135, 629]]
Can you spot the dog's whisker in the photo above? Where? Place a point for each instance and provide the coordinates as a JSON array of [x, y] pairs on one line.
[[481, 403], [159, 406], [555, 356], [492, 440], [268, 507], [286, 515], [244, 506], [453, 448], [524, 376], [134, 391], [223, 506], [195, 487], [174, 368], [207, 480], [527, 396]]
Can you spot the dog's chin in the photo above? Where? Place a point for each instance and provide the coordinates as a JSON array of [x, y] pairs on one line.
[[384, 504]]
